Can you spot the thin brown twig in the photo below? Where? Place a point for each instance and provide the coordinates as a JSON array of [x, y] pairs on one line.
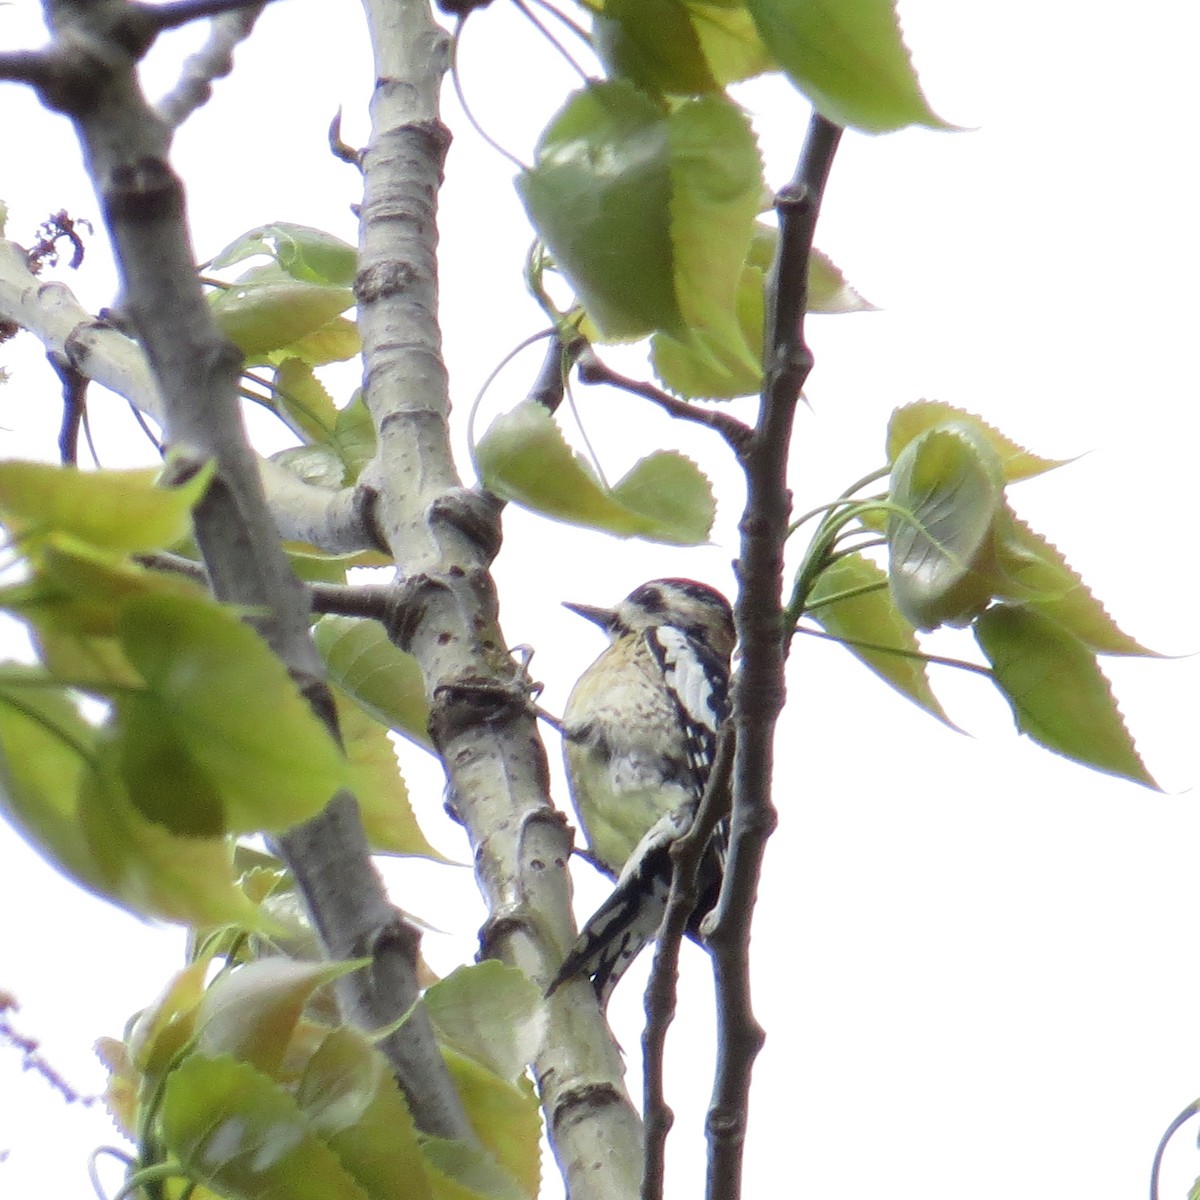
[[592, 371], [758, 687], [686, 855]]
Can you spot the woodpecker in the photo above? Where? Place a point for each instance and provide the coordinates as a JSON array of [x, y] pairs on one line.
[[639, 737]]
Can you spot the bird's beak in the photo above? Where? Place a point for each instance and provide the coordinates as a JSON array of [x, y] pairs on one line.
[[603, 617]]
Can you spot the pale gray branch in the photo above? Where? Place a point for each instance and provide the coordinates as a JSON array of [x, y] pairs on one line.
[[214, 60], [125, 148], [335, 522], [483, 721]]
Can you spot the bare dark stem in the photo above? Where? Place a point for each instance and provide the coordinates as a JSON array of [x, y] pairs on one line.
[[592, 370], [687, 855], [758, 688]]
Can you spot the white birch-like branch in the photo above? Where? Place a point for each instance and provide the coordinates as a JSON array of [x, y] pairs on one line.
[[483, 722]]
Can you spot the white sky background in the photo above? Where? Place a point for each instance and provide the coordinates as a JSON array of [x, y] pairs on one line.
[[976, 962]]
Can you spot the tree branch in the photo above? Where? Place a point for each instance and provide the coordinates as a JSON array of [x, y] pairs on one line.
[[483, 722], [214, 60], [335, 522], [125, 148], [593, 371], [687, 854], [758, 687]]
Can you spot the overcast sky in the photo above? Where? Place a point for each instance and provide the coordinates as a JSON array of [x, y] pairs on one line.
[[976, 962]]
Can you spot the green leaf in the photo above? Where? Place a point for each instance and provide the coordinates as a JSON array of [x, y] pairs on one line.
[[380, 677], [354, 437], [851, 600], [848, 58], [46, 748], [948, 484], [1057, 692], [253, 1011], [165, 1028], [383, 804], [1036, 574], [120, 511], [269, 310], [335, 341], [507, 1119], [150, 871], [240, 1134], [703, 367], [654, 44], [716, 188], [491, 1013], [671, 497], [681, 47], [911, 420], [303, 401], [163, 781], [598, 195], [729, 41], [351, 1097], [523, 457], [828, 290], [230, 704], [303, 252]]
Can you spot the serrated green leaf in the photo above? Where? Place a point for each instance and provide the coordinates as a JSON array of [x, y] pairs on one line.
[[851, 600], [376, 674], [911, 420], [1058, 694], [269, 310], [729, 41], [491, 1013], [303, 252], [145, 868], [60, 789], [354, 437], [120, 511], [508, 1121], [716, 185], [350, 1095], [383, 804], [948, 485], [829, 291], [523, 457], [335, 341], [303, 401], [163, 781], [671, 496], [652, 43], [46, 747], [1035, 574], [598, 195], [211, 679], [238, 1132], [701, 367], [253, 1011], [848, 58], [167, 1025]]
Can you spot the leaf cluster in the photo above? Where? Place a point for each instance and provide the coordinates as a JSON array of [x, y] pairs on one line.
[[247, 1085]]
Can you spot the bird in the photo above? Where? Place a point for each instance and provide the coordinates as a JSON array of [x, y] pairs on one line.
[[640, 732]]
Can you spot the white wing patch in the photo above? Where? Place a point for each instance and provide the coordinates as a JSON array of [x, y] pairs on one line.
[[699, 684]]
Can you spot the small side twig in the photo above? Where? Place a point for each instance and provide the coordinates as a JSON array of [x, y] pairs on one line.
[[74, 394], [592, 371], [214, 60]]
